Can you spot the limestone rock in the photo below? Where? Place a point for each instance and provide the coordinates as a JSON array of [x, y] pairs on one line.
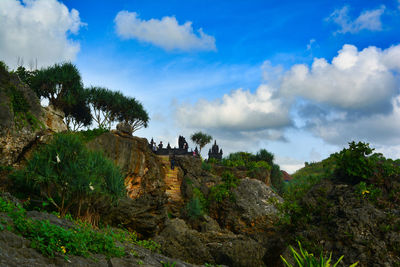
[[54, 119], [125, 128], [18, 130], [178, 240], [252, 211], [140, 166]]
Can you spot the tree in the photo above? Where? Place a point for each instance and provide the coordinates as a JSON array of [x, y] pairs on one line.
[[133, 113], [105, 104], [201, 139], [79, 115], [109, 106], [62, 85]]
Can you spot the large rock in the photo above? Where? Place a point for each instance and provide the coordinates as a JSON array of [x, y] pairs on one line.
[[253, 210], [142, 169], [145, 209], [342, 221], [54, 119], [18, 129], [179, 241]]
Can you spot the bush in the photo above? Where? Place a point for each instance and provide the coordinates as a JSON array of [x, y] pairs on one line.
[[354, 164], [69, 176], [194, 208], [220, 192]]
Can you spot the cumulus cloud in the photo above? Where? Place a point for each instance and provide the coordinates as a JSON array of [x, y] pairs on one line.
[[383, 129], [37, 30], [355, 80], [240, 110], [165, 33], [367, 20]]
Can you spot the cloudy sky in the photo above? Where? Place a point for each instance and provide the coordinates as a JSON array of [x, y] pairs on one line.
[[299, 78]]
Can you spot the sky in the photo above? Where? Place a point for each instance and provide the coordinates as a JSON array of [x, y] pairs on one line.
[[298, 78]]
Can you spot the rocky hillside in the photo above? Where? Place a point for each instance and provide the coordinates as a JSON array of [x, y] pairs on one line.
[[198, 213]]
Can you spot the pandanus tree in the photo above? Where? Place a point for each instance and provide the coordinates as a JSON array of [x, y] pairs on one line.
[[62, 85], [201, 139], [110, 106]]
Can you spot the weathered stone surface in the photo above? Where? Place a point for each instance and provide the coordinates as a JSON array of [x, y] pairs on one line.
[[178, 240], [125, 128], [15, 251], [145, 215], [349, 225], [252, 211], [142, 169], [54, 119], [15, 135]]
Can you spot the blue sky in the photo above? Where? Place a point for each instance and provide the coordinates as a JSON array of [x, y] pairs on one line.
[[299, 78]]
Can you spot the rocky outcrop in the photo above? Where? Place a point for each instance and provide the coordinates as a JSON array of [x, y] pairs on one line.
[[142, 169], [347, 223], [16, 250], [54, 119], [222, 247], [252, 211], [20, 115]]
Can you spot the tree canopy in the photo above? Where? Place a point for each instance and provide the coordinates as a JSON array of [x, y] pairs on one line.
[[201, 139]]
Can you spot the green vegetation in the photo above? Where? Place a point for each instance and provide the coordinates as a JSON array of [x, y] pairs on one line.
[[305, 259], [109, 106], [70, 177], [81, 240], [223, 191], [62, 85], [201, 139]]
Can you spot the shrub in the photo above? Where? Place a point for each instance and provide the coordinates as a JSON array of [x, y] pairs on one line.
[[69, 176], [194, 208], [354, 164], [206, 166], [309, 260], [220, 192]]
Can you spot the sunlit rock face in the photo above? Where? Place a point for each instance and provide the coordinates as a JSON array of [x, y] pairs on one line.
[[20, 118]]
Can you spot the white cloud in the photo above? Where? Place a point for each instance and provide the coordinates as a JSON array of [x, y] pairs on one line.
[[37, 30], [367, 20], [381, 129], [310, 44], [165, 33], [355, 80], [238, 111]]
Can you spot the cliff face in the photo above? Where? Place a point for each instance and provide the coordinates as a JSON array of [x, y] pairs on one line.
[[23, 121], [143, 170]]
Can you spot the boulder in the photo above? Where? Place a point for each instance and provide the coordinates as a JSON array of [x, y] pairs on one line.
[[252, 212], [223, 247], [18, 128], [54, 119], [125, 128], [142, 169]]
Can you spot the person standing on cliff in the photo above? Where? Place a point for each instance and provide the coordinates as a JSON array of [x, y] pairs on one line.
[[173, 161]]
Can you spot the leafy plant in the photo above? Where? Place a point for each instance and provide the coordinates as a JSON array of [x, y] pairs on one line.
[[220, 192], [201, 139], [69, 176], [305, 259], [194, 208], [354, 164]]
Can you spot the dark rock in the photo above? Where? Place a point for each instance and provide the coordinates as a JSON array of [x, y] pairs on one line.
[[125, 128], [178, 240], [145, 215]]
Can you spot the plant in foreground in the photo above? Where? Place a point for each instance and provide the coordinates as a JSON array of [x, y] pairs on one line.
[[305, 259]]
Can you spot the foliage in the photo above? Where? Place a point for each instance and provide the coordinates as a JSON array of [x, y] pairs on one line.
[[264, 155], [277, 178], [3, 66], [109, 106], [194, 208], [89, 135], [69, 176], [223, 191], [50, 239], [25, 75], [78, 115], [206, 166], [308, 259], [168, 264], [354, 164], [368, 191], [61, 84], [201, 139]]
